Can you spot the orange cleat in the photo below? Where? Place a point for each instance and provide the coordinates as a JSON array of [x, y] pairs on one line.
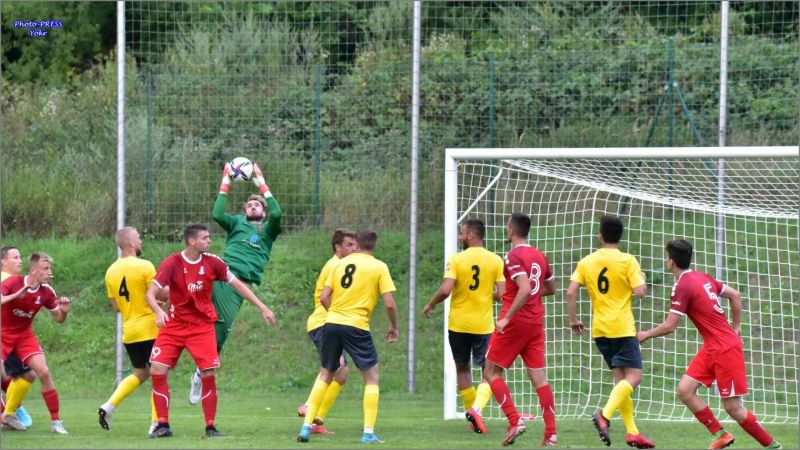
[[513, 432], [724, 440], [638, 441], [476, 421], [320, 429]]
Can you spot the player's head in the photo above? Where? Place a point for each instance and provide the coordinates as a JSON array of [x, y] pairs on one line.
[[128, 239], [611, 229], [255, 208], [196, 236], [11, 260], [343, 242], [472, 233], [519, 225], [366, 240], [40, 267], [679, 253]]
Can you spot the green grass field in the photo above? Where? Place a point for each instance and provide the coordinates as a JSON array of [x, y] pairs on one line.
[[266, 419]]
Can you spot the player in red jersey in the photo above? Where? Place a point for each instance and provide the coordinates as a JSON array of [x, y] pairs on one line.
[[520, 329], [190, 275], [720, 358], [22, 298]]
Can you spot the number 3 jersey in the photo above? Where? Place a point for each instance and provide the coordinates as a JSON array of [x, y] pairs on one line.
[[696, 295], [475, 271], [127, 280], [526, 261], [356, 283], [610, 276]]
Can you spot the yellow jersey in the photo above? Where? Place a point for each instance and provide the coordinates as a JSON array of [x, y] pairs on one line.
[[610, 277], [127, 281], [317, 318], [356, 282], [476, 270]]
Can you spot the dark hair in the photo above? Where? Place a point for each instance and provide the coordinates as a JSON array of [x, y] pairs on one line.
[[680, 251], [4, 251], [366, 239], [521, 224], [476, 226], [192, 230], [611, 229], [339, 235]]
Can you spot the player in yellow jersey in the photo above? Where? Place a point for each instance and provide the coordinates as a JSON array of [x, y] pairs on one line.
[[612, 277], [350, 294], [343, 243], [127, 280], [473, 278]]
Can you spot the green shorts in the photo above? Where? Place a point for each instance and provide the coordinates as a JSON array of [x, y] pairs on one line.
[[227, 302]]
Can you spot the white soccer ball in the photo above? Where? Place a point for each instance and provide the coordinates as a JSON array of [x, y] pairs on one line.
[[241, 169]]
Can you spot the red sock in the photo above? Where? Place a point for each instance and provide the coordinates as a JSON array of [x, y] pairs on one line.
[[161, 397], [548, 403], [4, 384], [503, 397], [706, 417], [51, 400], [753, 428], [209, 398]]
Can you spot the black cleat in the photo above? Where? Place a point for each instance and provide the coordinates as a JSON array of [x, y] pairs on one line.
[[212, 432], [602, 425], [161, 431], [104, 418]]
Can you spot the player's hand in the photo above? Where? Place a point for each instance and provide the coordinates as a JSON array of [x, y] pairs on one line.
[[392, 335], [225, 184], [501, 325], [161, 318], [641, 337], [269, 317], [258, 179], [426, 311], [64, 304], [577, 327], [644, 276], [738, 330]]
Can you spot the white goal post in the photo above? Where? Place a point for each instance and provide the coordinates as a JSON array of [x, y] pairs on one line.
[[737, 205]]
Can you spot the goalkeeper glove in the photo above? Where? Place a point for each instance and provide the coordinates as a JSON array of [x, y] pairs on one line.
[[258, 180], [225, 184]]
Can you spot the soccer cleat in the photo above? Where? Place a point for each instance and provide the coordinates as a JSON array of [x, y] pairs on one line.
[[602, 425], [370, 438], [212, 432], [58, 427], [551, 441], [320, 429], [12, 422], [774, 444], [301, 410], [476, 421], [161, 431], [513, 432], [305, 433], [195, 389], [152, 428], [638, 441], [104, 417], [725, 439], [23, 416]]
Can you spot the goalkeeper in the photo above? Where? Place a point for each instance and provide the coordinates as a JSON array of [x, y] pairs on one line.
[[247, 250]]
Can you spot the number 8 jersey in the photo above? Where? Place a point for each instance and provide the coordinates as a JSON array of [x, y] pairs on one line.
[[356, 283], [524, 260]]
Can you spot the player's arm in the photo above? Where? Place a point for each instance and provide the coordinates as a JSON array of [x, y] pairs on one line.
[[640, 290], [442, 293], [248, 295], [572, 307], [112, 302], [325, 297], [150, 297], [5, 298], [669, 325], [549, 287], [274, 224], [218, 212], [60, 313], [735, 299], [523, 293], [499, 288], [392, 334]]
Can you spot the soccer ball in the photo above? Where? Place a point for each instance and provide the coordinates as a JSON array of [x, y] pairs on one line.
[[241, 169]]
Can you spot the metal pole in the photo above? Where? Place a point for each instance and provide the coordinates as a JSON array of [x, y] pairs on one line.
[[120, 154], [723, 125], [412, 242], [317, 146]]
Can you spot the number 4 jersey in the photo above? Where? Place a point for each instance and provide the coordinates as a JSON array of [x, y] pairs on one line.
[[610, 276], [356, 283], [526, 261], [696, 295], [127, 280]]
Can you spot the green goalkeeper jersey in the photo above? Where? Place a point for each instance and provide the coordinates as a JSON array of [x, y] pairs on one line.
[[248, 245]]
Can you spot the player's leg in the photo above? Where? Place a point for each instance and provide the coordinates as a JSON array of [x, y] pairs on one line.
[[330, 354], [502, 351], [359, 345], [202, 345], [461, 346], [534, 358], [700, 373], [19, 375], [38, 363], [138, 353], [11, 420], [331, 394], [166, 350], [480, 342]]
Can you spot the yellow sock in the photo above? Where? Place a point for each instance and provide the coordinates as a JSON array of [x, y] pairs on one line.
[[371, 394], [468, 395], [124, 389], [329, 399], [153, 414], [626, 411], [484, 394], [621, 391], [15, 393], [315, 399]]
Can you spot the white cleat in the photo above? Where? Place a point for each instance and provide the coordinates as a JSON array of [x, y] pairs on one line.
[[104, 416], [195, 389], [12, 422], [58, 427], [152, 428]]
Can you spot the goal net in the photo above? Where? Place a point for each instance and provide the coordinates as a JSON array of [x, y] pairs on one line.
[[738, 206]]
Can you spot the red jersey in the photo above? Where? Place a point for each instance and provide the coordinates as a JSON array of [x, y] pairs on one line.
[[524, 260], [190, 285], [17, 315], [696, 295]]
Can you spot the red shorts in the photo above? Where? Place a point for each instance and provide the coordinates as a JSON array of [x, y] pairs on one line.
[[24, 344], [726, 368], [199, 339], [520, 339]]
